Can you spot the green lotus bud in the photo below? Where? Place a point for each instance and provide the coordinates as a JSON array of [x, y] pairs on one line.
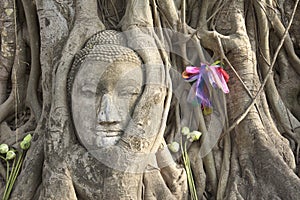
[[185, 130], [194, 136], [10, 155], [174, 147], [27, 138], [4, 148], [25, 145]]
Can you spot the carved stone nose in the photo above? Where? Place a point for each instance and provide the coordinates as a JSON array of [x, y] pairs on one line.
[[107, 112]]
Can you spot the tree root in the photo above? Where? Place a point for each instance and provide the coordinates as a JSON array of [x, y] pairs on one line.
[[14, 102], [159, 189], [168, 9], [268, 74], [287, 79], [86, 24], [157, 66], [8, 44], [280, 31], [253, 130], [12, 137], [199, 175], [193, 14], [264, 61], [232, 191], [208, 160], [34, 77], [225, 168]]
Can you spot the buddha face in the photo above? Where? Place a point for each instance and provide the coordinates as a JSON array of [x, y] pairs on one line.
[[103, 98]]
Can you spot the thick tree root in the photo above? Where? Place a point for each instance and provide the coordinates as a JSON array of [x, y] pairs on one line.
[[288, 79], [225, 169], [279, 30], [198, 169], [85, 25], [264, 61], [13, 137], [14, 103], [253, 157], [34, 77], [8, 44], [250, 130]]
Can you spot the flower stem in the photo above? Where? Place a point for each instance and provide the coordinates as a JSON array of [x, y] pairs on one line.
[[8, 178], [14, 175], [2, 158], [7, 171], [189, 172]]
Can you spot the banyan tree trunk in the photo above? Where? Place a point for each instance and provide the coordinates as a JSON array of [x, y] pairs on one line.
[[256, 155]]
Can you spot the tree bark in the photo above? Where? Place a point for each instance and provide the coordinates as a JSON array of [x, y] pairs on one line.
[[253, 155]]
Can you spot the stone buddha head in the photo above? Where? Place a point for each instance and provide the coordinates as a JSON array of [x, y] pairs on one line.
[[105, 83]]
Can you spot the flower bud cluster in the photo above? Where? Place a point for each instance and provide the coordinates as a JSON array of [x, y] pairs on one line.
[[11, 153], [191, 136]]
